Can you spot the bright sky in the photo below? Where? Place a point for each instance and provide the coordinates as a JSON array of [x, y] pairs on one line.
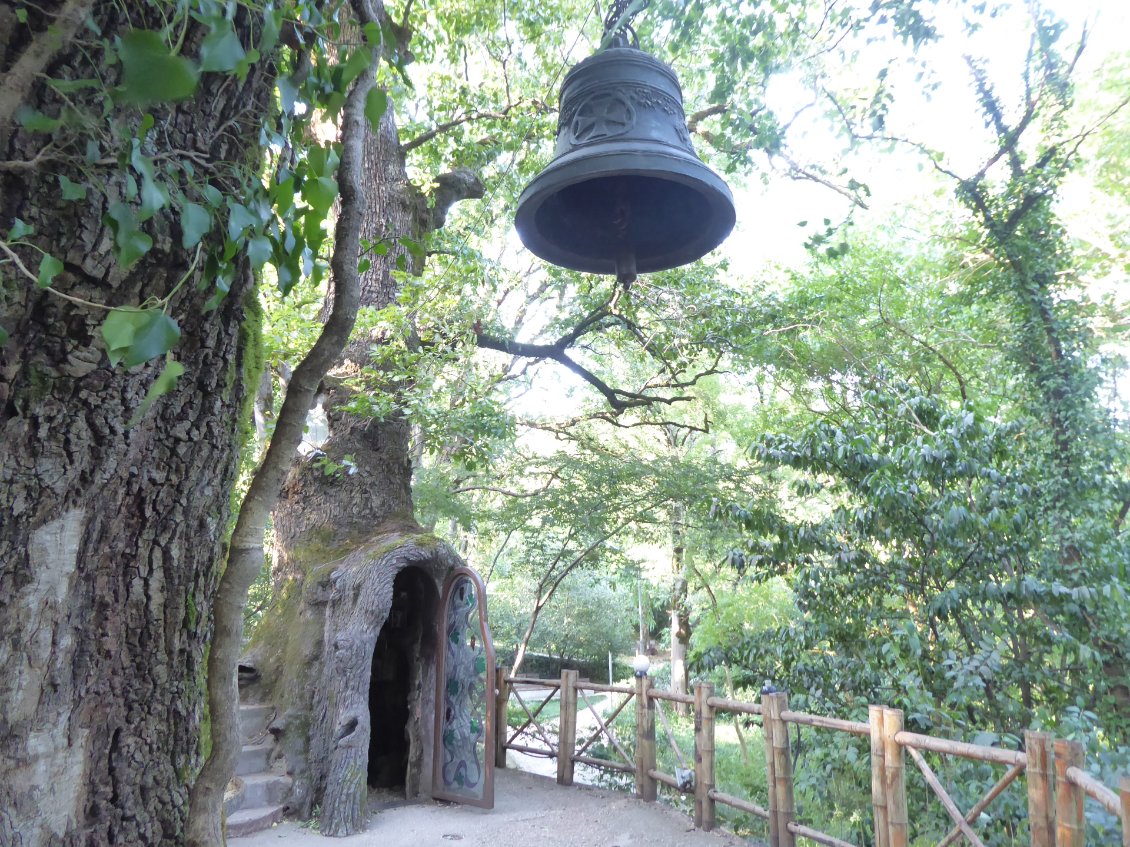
[[767, 231]]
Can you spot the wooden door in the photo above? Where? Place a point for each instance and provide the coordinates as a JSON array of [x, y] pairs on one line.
[[463, 769]]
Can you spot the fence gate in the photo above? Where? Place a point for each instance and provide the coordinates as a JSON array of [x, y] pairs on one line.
[[463, 769]]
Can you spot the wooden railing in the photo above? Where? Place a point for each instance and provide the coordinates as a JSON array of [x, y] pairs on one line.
[[1057, 785]]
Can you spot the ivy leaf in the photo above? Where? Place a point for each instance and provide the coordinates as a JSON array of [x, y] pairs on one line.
[[20, 230], [283, 194], [195, 221], [259, 251], [49, 268], [3, 336], [164, 383], [132, 245], [35, 121], [240, 220], [131, 242], [320, 193], [272, 26], [221, 50], [119, 330], [288, 94], [212, 195], [353, 66], [153, 338], [376, 103], [71, 190], [151, 73]]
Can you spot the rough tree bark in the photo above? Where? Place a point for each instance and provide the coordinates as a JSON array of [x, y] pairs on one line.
[[110, 535]]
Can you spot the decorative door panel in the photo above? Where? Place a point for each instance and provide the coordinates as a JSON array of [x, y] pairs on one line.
[[463, 769]]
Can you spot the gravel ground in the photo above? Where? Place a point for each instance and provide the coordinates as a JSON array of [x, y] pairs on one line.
[[529, 810]]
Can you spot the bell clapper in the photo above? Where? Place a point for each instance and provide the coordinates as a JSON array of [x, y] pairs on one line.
[[626, 270]]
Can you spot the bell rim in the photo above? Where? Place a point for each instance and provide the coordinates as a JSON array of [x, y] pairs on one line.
[[681, 170]]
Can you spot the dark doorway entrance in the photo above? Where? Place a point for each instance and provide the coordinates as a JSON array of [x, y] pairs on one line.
[[405, 648]]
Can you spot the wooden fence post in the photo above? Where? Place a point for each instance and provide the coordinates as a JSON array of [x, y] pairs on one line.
[[1124, 792], [1070, 829], [704, 811], [779, 766], [878, 777], [894, 783], [1040, 771], [567, 727], [646, 787], [501, 719]]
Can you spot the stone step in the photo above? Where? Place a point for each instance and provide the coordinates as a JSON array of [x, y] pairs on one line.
[[264, 789], [247, 821], [254, 719], [254, 758]]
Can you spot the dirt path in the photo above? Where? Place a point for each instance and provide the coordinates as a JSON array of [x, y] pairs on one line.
[[530, 811]]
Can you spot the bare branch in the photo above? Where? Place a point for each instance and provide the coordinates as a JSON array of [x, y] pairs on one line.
[[695, 118], [470, 117]]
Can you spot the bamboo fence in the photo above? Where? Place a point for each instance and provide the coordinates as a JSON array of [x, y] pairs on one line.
[[1057, 784]]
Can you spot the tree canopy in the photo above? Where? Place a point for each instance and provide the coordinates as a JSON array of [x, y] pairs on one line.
[[891, 470]]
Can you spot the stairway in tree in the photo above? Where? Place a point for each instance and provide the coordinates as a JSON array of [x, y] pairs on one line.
[[254, 797]]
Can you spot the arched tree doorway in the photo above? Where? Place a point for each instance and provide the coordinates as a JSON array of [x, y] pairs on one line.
[[402, 674]]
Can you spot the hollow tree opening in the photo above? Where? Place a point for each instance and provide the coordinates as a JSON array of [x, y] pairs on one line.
[[405, 649]]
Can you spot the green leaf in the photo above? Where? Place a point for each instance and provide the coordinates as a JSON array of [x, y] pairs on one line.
[[240, 220], [19, 230], [272, 26], [131, 242], [259, 251], [376, 103], [49, 268], [151, 73], [357, 62], [3, 336], [288, 93], [35, 121], [154, 338], [412, 246], [132, 245], [71, 190], [119, 329], [221, 50], [372, 33], [212, 195], [69, 86], [164, 383], [195, 221], [283, 194], [319, 193]]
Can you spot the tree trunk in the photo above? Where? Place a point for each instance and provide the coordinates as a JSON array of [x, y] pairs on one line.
[[111, 534], [680, 622], [341, 538]]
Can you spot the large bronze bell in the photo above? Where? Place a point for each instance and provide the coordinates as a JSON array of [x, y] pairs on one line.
[[625, 192]]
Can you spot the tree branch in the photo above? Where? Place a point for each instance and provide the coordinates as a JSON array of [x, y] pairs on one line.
[[477, 115]]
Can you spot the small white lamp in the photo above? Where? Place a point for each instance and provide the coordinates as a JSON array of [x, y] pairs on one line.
[[640, 664]]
